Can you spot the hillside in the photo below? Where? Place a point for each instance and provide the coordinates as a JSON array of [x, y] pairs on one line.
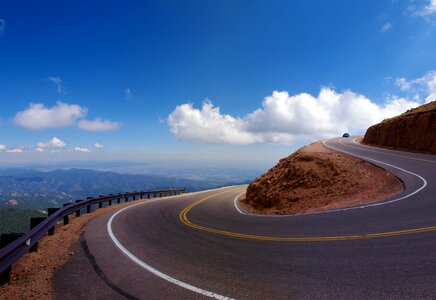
[[33, 189], [17, 220], [414, 130], [316, 178]]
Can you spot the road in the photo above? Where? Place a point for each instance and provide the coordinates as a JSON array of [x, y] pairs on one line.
[[199, 246]]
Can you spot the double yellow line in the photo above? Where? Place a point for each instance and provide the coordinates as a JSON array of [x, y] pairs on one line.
[[183, 216]]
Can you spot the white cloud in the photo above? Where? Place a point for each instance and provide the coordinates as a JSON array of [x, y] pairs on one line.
[[81, 149], [54, 143], [39, 149], [425, 84], [128, 93], [2, 26], [207, 125], [386, 27], [37, 116], [57, 82], [98, 146], [431, 86], [403, 84], [98, 125], [14, 150], [2, 148], [427, 10], [284, 118]]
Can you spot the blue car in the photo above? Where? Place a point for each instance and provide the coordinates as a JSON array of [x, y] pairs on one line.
[[346, 134]]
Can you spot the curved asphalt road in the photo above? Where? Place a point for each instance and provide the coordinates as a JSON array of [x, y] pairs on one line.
[[382, 251]]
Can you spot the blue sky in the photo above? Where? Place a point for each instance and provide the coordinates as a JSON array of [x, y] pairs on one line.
[[143, 80]]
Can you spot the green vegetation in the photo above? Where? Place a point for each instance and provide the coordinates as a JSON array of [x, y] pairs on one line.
[[17, 220]]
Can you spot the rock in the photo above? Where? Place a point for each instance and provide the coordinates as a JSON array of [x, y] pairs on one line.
[[12, 202], [415, 130]]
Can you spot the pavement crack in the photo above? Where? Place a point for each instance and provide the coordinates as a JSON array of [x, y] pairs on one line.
[[100, 272]]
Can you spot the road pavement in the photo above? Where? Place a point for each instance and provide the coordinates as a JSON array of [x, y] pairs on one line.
[[199, 246]]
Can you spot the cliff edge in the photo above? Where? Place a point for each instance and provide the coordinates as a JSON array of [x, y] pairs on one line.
[[414, 130]]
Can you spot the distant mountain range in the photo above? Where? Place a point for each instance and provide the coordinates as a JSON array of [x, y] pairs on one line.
[[34, 189]]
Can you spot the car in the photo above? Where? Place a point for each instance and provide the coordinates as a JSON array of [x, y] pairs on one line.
[[346, 134]]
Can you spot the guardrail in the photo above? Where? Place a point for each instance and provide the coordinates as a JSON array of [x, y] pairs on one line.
[[15, 246]]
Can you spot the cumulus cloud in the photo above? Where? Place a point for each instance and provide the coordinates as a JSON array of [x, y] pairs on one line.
[[57, 82], [39, 149], [37, 116], [2, 148], [284, 118], [54, 143], [98, 146], [81, 149], [386, 27], [98, 125]]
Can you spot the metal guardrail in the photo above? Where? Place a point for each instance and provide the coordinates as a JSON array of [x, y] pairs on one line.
[[12, 252]]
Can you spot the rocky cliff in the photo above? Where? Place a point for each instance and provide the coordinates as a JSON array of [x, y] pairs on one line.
[[415, 130]]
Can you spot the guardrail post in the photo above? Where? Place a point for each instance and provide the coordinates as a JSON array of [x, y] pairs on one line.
[[134, 198], [66, 220], [110, 202], [100, 204], [118, 200], [78, 211], [148, 195], [51, 211], [89, 206], [6, 239], [34, 221], [126, 199]]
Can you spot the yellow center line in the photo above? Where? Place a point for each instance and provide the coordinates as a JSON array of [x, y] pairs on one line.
[[183, 216], [384, 153]]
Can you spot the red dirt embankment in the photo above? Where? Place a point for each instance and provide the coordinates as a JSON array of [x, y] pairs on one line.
[[31, 274], [415, 131], [315, 178]]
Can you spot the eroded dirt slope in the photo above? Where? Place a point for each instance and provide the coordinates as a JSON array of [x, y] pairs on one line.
[[316, 178]]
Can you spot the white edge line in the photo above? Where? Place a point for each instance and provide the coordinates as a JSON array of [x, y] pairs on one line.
[[237, 206], [150, 268], [345, 208]]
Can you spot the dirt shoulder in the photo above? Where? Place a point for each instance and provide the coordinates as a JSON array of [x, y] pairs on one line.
[[315, 178], [31, 275]]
